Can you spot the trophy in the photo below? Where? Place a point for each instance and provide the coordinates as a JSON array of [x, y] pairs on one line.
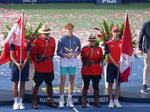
[[71, 51]]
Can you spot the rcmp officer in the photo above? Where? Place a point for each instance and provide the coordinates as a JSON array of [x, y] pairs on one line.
[[91, 57], [42, 53]]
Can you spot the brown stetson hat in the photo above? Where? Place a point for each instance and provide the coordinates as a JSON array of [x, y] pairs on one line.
[[45, 29], [92, 37]]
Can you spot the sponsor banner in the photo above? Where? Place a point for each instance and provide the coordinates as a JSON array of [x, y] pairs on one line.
[[19, 1], [29, 1], [136, 1], [47, 1], [98, 2], [76, 99], [108, 2], [102, 99]]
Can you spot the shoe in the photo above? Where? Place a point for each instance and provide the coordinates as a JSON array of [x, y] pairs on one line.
[[111, 104], [83, 103], [117, 104], [61, 104], [16, 106], [144, 88], [51, 103], [69, 103], [97, 104], [34, 105], [21, 106]]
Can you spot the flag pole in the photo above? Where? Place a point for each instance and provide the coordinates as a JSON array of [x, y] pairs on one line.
[[22, 23], [117, 82], [118, 73]]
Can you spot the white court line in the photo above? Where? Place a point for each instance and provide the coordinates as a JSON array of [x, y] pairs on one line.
[[75, 109]]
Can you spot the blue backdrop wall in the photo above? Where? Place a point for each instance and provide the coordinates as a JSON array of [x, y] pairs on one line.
[[136, 0], [71, 1], [47, 1]]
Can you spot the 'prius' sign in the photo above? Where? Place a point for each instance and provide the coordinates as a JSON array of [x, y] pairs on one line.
[[108, 2]]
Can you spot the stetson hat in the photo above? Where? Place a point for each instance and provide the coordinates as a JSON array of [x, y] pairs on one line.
[[92, 37], [45, 29]]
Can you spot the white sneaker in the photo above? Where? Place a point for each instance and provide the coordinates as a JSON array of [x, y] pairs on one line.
[[16, 106], [111, 104], [117, 104], [21, 106], [61, 104], [70, 103]]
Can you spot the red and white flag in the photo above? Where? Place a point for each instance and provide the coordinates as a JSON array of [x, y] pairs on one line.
[[127, 55], [16, 37]]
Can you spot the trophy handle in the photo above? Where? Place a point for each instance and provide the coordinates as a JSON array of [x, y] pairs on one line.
[[74, 50], [67, 50]]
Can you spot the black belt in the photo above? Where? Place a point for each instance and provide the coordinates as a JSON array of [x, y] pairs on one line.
[[48, 58], [94, 62]]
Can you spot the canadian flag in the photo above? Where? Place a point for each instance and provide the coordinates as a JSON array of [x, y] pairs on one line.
[[16, 37], [126, 52]]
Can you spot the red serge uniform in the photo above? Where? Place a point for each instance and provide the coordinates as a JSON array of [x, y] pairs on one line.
[[39, 46], [24, 50], [114, 47], [92, 55]]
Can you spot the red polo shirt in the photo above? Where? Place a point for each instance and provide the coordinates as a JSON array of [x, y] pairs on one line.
[[113, 47], [39, 46], [92, 55]]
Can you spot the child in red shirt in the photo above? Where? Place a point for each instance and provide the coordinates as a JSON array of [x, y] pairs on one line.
[[112, 48]]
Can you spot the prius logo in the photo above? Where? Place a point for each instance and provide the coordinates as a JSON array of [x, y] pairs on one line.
[[109, 1]]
